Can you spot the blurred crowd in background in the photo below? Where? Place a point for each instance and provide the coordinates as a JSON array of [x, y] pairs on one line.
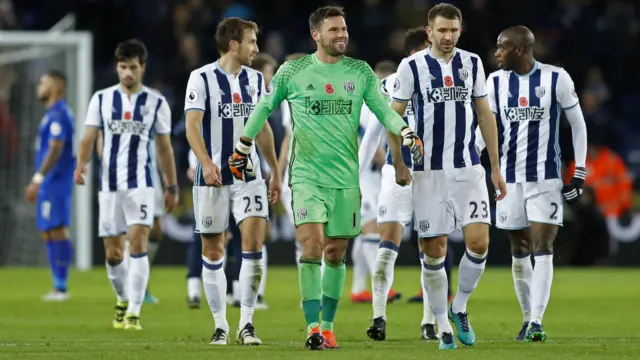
[[598, 42]]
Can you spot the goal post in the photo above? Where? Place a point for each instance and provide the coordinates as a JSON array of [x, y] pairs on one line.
[[25, 55]]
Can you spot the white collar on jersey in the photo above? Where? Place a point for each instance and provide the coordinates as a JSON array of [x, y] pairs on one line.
[[536, 66], [455, 51], [217, 66], [142, 89]]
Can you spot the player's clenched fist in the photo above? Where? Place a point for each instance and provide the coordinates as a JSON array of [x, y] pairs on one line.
[[411, 140], [211, 174], [239, 162], [79, 173], [573, 191], [171, 198]]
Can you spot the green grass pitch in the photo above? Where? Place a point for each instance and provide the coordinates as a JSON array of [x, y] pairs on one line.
[[593, 314]]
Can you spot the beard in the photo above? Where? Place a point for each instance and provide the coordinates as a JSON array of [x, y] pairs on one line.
[[331, 48], [44, 97]]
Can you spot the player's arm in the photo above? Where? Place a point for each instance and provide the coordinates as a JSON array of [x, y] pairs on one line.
[[568, 100], [370, 145], [284, 146], [93, 124], [400, 95], [194, 108], [274, 94], [267, 147], [164, 149], [58, 135]]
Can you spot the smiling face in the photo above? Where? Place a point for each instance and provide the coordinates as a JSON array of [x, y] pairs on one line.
[[246, 49], [332, 36]]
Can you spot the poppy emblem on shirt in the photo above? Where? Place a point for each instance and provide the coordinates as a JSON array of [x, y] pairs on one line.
[[328, 88], [524, 101], [448, 81], [127, 115], [236, 98]]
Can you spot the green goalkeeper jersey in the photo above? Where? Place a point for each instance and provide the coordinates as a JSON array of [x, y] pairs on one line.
[[325, 102]]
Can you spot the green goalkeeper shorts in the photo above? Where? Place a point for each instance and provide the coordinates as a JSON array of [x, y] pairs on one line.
[[337, 209]]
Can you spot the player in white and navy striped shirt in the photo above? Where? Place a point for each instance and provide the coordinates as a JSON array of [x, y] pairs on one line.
[[220, 97], [130, 115], [449, 188], [527, 98], [395, 207]]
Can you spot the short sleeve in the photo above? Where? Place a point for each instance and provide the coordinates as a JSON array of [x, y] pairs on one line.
[[403, 82], [163, 118], [195, 97], [58, 126], [566, 91], [480, 85], [94, 117], [491, 94]]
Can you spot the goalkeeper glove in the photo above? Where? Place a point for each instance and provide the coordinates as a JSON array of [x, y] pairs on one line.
[[573, 191], [411, 140], [240, 162]]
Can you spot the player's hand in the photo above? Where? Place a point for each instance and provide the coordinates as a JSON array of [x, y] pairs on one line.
[[240, 162], [171, 198], [573, 191], [403, 175], [31, 192], [79, 173], [413, 142], [191, 174], [275, 188], [498, 184], [211, 174]]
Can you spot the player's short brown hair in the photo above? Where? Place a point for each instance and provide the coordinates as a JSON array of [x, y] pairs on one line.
[[447, 11], [321, 14], [386, 67], [261, 60], [415, 39], [131, 49], [232, 28], [294, 56]]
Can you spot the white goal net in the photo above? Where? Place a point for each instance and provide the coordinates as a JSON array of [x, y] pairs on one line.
[[24, 57]]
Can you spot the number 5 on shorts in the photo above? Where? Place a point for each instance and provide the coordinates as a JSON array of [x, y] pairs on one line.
[[143, 212]]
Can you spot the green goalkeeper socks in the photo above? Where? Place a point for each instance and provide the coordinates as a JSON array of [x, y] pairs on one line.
[[332, 283], [310, 289]]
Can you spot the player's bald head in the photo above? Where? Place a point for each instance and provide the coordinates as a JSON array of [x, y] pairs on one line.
[[519, 36]]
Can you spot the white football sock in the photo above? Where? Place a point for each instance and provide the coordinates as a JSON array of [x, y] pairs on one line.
[[250, 276], [469, 272], [542, 279], [215, 289], [360, 271], [117, 275], [382, 279], [193, 287], [427, 315], [370, 244], [436, 284], [522, 272], [138, 279], [263, 281]]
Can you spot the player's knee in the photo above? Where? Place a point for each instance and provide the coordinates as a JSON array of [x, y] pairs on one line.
[[138, 238], [114, 255], [335, 251], [519, 242], [213, 246], [391, 231], [477, 240], [543, 237], [434, 247], [58, 234]]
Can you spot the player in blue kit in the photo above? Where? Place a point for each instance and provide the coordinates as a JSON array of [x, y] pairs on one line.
[[51, 186]]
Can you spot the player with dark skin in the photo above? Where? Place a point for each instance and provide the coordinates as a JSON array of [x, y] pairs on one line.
[[515, 53]]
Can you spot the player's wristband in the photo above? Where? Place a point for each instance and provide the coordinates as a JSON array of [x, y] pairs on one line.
[[173, 189], [580, 173], [243, 147], [37, 178]]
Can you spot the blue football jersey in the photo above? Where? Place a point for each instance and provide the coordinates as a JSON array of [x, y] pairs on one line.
[[57, 124]]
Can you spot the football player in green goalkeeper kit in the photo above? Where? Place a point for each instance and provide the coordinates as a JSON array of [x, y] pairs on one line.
[[325, 91]]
